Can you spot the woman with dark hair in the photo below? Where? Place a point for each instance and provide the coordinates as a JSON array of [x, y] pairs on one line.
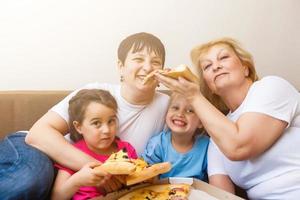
[[141, 113]]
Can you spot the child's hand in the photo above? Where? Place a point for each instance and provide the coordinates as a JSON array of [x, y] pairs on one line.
[[86, 176], [113, 184]]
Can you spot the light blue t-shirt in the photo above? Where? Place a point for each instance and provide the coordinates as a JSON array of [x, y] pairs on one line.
[[190, 164]]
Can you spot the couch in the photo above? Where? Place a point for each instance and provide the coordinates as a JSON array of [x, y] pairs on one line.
[[21, 109]]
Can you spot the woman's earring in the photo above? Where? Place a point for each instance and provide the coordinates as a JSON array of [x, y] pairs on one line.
[[121, 78]]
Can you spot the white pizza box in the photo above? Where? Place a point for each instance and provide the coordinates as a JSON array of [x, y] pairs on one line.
[[201, 190]]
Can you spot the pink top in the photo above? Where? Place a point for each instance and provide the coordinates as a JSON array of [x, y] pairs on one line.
[[88, 191]]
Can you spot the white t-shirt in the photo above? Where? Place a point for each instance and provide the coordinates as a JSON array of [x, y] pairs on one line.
[[137, 123], [276, 173]]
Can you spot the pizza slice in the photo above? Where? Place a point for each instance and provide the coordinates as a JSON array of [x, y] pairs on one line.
[[136, 170], [180, 71], [144, 171], [118, 164], [159, 192]]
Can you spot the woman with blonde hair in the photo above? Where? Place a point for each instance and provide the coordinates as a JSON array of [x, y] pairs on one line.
[[256, 144]]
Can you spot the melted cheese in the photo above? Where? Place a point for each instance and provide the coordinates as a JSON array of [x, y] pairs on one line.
[[119, 156]]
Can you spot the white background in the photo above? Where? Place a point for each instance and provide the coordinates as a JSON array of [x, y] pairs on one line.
[[61, 44]]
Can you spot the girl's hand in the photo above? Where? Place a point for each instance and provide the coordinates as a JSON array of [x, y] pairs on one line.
[[86, 176], [182, 86]]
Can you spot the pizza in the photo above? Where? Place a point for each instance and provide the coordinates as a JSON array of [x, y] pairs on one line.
[[144, 171], [159, 192], [136, 170], [179, 71], [118, 164]]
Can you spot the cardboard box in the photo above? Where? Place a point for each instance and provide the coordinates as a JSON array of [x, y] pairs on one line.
[[209, 191]]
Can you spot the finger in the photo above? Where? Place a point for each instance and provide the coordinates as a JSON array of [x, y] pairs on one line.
[[107, 188], [121, 179], [101, 181], [101, 190], [100, 172], [106, 184], [183, 80], [168, 82], [117, 182], [94, 164], [113, 184], [186, 83]]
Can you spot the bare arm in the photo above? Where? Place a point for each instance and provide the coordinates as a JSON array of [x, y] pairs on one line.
[[244, 139], [63, 187], [223, 182], [67, 185], [47, 136]]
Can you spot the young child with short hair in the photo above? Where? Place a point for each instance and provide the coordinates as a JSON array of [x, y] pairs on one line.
[[181, 144], [94, 124]]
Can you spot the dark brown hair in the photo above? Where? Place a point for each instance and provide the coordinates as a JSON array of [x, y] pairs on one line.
[[79, 103], [137, 42]]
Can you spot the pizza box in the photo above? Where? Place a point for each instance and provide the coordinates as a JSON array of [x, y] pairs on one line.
[[200, 190]]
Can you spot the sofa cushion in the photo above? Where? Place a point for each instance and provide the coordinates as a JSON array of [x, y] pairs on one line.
[[20, 109]]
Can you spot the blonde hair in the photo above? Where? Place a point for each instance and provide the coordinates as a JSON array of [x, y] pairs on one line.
[[198, 131], [244, 56]]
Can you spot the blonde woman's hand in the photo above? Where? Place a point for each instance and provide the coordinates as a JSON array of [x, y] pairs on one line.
[[182, 86]]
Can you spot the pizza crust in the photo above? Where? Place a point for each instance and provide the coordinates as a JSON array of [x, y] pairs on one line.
[[148, 172], [159, 192], [180, 71], [117, 168]]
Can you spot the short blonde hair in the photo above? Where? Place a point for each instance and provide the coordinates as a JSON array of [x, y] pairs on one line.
[[244, 56], [198, 131]]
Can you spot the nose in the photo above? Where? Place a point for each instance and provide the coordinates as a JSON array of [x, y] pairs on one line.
[[147, 66], [180, 113], [217, 66], [105, 129]]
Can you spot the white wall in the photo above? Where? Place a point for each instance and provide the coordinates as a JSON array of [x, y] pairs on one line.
[[61, 44]]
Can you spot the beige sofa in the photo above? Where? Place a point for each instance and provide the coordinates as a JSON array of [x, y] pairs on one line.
[[20, 109]]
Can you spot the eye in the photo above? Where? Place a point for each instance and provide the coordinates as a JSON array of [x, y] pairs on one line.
[[138, 59], [223, 57], [112, 121], [96, 123], [174, 108], [206, 67], [189, 110], [156, 62]]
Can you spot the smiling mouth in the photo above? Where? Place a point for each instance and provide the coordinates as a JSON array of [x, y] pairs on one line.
[[219, 75], [179, 122]]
